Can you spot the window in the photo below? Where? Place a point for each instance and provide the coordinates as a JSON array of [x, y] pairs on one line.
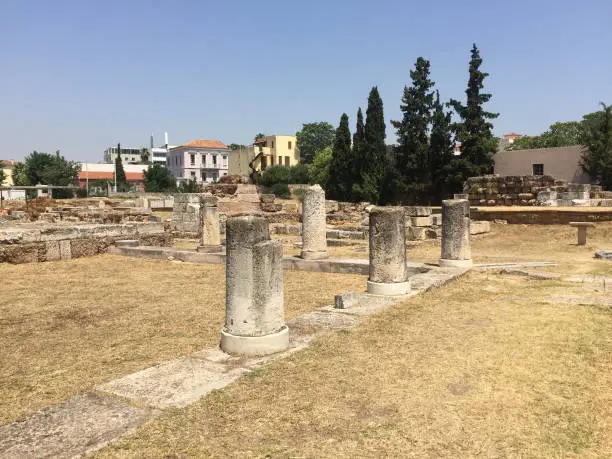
[[538, 169], [272, 160], [290, 145], [192, 159], [273, 144], [214, 157], [193, 175], [287, 159]]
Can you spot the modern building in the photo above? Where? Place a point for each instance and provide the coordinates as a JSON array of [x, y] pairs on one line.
[[159, 155], [91, 173], [128, 155], [563, 163], [200, 160], [271, 150]]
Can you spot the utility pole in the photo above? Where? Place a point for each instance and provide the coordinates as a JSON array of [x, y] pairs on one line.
[[118, 156]]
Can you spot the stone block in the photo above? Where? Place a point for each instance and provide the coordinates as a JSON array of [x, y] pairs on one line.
[[271, 207], [416, 233], [421, 221], [433, 233], [418, 211], [436, 219], [52, 251], [480, 227], [346, 300], [267, 198], [65, 250]]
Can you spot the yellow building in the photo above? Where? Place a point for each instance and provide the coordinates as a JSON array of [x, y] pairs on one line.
[[271, 150], [7, 167]]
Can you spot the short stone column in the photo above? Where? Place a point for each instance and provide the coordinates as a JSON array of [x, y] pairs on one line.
[[314, 226], [388, 274], [582, 231], [254, 306], [210, 238], [456, 252]]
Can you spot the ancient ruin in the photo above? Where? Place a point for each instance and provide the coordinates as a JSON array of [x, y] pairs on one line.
[[456, 251], [210, 230], [388, 274], [254, 318], [314, 227]]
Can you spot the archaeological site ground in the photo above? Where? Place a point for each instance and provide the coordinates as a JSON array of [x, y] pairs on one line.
[[234, 324]]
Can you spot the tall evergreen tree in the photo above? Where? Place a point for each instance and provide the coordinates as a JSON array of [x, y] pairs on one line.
[[341, 177], [359, 136], [413, 129], [597, 138], [474, 131], [120, 172], [441, 148], [373, 162]]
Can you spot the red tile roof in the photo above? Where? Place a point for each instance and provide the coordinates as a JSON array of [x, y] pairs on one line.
[[512, 134], [8, 162], [204, 143], [130, 176]]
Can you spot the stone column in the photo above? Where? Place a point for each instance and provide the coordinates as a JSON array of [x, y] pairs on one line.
[[254, 306], [388, 274], [456, 251], [210, 238], [314, 226]]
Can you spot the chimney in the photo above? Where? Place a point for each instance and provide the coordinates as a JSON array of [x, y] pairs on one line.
[[151, 142], [166, 139]]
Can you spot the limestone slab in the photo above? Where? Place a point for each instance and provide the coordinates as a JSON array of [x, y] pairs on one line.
[[80, 425], [176, 383]]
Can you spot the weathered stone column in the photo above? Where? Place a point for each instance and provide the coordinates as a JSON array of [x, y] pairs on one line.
[[254, 307], [456, 234], [314, 226], [210, 238], [388, 274]]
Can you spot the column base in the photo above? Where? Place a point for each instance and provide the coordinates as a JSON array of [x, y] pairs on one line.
[[210, 248], [255, 345], [391, 288], [306, 255], [445, 263]]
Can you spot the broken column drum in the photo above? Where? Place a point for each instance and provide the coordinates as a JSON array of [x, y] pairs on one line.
[[314, 226], [388, 273], [456, 250], [210, 239], [254, 314]]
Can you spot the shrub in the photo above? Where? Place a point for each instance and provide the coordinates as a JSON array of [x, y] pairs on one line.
[[299, 194], [281, 190], [299, 173], [275, 174], [81, 192]]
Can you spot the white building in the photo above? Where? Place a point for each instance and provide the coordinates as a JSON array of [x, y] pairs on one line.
[[199, 160]]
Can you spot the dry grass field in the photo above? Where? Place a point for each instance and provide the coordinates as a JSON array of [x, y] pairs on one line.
[[491, 366], [68, 326]]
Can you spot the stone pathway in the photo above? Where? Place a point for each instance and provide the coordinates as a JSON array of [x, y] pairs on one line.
[[88, 422]]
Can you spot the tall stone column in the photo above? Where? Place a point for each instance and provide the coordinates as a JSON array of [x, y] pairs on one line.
[[456, 250], [254, 305], [210, 238], [388, 274], [314, 226]]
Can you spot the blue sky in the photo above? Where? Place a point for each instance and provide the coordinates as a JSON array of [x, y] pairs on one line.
[[82, 75]]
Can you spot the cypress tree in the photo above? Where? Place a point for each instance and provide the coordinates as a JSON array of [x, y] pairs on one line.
[[120, 172], [373, 154], [341, 176], [441, 148], [412, 131], [474, 131]]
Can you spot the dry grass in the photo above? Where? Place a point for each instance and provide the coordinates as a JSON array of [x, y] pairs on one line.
[[485, 367], [67, 326]]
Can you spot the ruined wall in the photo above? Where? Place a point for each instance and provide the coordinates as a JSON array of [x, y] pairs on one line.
[[38, 242]]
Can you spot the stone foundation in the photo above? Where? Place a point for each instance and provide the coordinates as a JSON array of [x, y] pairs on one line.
[[34, 242]]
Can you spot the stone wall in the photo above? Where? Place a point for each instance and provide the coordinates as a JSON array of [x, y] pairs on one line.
[[38, 242], [529, 190], [186, 215]]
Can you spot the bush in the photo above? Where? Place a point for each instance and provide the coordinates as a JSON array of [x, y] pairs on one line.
[[81, 192], [299, 194], [281, 190], [299, 173], [275, 174]]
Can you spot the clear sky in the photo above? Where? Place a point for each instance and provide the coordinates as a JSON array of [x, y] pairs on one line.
[[82, 75]]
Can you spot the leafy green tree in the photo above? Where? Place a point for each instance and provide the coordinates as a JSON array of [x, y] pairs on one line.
[[122, 184], [299, 173], [190, 186], [275, 174], [413, 130], [158, 178], [474, 131], [313, 138], [560, 134], [259, 136], [597, 157], [373, 160], [319, 169], [341, 170], [47, 169], [441, 148], [236, 146], [2, 175]]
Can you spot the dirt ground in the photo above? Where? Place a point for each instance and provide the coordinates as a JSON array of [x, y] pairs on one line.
[[70, 325]]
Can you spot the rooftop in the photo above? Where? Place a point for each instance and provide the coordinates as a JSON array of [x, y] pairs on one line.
[[204, 143]]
